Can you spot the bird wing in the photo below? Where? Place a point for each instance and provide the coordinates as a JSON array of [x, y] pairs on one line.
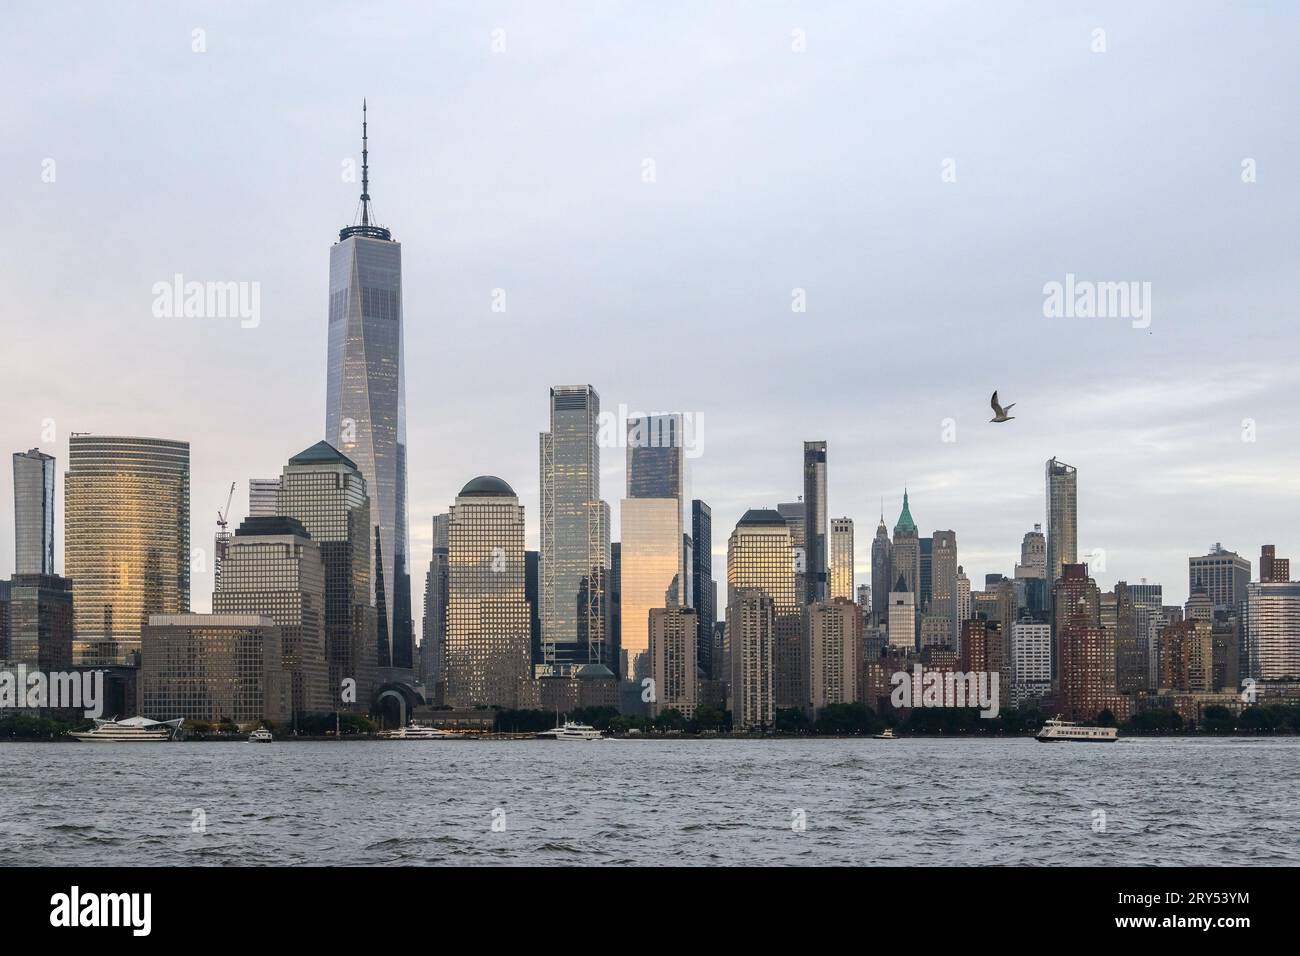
[[997, 409]]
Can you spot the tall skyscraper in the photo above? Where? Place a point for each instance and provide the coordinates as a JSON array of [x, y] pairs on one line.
[[1272, 647], [1222, 574], [841, 573], [1187, 657], [126, 539], [882, 565], [759, 557], [907, 559], [749, 636], [40, 623], [434, 640], [1033, 555], [1031, 660], [674, 665], [816, 582], [834, 651], [574, 534], [702, 579], [943, 582], [275, 569], [365, 404], [325, 491], [33, 512], [487, 654], [1062, 518], [963, 597], [1075, 593], [653, 526], [901, 624]]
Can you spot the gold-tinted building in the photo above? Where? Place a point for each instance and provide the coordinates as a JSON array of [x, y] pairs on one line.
[[842, 558], [487, 653], [760, 557], [126, 539], [834, 646]]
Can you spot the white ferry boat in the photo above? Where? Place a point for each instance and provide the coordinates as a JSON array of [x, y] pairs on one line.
[[572, 731], [133, 730], [260, 736], [1057, 729], [886, 734], [414, 732]]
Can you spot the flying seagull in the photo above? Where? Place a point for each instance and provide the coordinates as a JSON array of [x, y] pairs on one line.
[[1000, 413]]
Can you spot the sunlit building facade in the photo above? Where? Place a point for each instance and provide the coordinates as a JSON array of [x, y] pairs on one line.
[[126, 539], [834, 647], [1062, 518], [841, 548], [760, 558], [487, 655], [1272, 646]]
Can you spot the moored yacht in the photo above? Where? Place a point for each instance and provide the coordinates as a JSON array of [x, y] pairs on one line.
[[1057, 729], [260, 736], [131, 731], [572, 731], [415, 732]]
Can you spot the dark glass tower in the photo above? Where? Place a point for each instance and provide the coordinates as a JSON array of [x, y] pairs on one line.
[[702, 583], [816, 580], [365, 404]]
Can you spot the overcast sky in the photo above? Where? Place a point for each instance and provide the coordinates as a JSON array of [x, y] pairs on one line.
[[774, 170]]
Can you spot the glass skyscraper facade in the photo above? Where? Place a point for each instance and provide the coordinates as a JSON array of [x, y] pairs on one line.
[[702, 581], [126, 539], [760, 558], [841, 548], [574, 565], [1062, 519], [816, 583], [365, 407], [33, 512], [654, 568]]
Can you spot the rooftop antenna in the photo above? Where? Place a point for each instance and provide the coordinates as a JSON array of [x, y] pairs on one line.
[[365, 168]]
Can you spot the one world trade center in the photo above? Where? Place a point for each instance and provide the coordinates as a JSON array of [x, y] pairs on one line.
[[365, 404]]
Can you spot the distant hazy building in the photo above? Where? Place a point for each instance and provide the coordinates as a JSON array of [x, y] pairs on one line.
[[1222, 574], [963, 597], [881, 572], [262, 493], [1062, 518], [750, 633], [841, 573], [759, 557], [212, 667], [487, 649], [434, 639], [705, 597], [1272, 646], [275, 569], [674, 667], [907, 552], [1033, 554], [1187, 657], [834, 649], [126, 539], [1147, 605], [943, 582], [33, 512], [574, 534], [1131, 664], [653, 524], [816, 581], [902, 616], [795, 518], [325, 491]]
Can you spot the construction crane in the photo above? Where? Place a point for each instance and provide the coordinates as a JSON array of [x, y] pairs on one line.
[[223, 517]]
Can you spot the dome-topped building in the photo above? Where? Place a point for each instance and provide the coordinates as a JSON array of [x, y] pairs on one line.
[[487, 486]]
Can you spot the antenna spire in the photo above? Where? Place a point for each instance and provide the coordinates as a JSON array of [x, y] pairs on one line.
[[365, 169]]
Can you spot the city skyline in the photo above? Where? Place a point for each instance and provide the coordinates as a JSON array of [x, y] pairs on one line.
[[1155, 427]]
